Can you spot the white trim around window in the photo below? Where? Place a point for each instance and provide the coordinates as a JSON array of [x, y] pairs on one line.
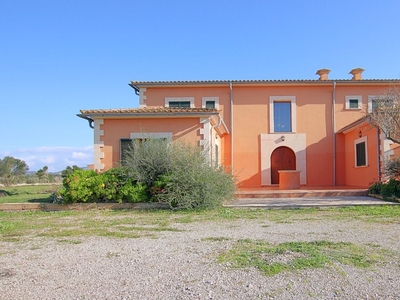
[[292, 100], [179, 99], [371, 99], [154, 135], [205, 99], [354, 97]]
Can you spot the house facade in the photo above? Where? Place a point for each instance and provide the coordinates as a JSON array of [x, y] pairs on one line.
[[257, 127]]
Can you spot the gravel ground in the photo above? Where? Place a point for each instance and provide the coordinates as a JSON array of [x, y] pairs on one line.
[[183, 265]]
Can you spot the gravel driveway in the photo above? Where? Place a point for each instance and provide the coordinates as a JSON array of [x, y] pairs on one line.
[[183, 264]]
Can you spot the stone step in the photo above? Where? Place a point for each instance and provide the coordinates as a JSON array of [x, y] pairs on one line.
[[299, 193]]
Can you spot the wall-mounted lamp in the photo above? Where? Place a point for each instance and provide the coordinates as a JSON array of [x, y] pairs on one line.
[[359, 133], [282, 138]]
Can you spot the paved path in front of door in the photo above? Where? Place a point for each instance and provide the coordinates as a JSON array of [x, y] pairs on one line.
[[317, 202]]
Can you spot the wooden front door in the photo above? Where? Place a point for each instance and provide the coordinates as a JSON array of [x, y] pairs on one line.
[[283, 158]]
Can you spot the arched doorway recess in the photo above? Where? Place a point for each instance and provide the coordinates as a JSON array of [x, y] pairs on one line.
[[282, 158]]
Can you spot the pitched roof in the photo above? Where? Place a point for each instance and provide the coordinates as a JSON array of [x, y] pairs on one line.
[[353, 125], [135, 84]]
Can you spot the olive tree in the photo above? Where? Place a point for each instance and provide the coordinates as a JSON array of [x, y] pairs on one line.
[[10, 169]]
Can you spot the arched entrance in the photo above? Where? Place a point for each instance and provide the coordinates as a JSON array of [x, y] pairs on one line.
[[282, 158]]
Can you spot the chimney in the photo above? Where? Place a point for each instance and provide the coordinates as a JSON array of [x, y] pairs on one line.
[[323, 74], [357, 73]]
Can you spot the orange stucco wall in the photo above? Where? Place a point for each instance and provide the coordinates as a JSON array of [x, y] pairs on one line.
[[115, 129], [366, 175], [251, 119]]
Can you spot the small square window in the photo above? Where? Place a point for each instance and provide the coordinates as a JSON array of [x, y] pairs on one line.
[[210, 104], [353, 102]]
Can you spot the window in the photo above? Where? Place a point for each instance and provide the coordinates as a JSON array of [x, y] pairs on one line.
[[282, 117], [124, 146], [185, 102], [282, 113], [360, 149], [353, 102], [210, 102], [372, 102], [125, 143]]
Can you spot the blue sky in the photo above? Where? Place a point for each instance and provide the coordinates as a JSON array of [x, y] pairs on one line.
[[57, 57]]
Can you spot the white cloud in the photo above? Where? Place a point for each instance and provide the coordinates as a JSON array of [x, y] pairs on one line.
[[80, 155], [55, 158]]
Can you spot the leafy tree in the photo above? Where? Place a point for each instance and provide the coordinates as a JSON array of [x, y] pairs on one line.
[[42, 174], [10, 169], [385, 113], [68, 170]]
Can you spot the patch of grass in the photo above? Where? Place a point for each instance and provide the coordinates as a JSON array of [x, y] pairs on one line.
[[291, 256], [70, 241], [27, 193], [216, 239], [133, 223]]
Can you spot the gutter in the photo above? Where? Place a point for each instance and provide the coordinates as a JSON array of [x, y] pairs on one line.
[[135, 87], [150, 114], [334, 131], [89, 119], [231, 101], [378, 143]]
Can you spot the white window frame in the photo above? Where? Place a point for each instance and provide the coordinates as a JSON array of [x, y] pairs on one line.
[[292, 100], [179, 99], [372, 98], [205, 99], [353, 97], [359, 141]]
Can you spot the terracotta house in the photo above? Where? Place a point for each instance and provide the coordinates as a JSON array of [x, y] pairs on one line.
[[312, 128]]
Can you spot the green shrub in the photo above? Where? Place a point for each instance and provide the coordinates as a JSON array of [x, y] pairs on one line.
[[147, 159], [375, 188], [391, 189], [110, 186], [192, 182]]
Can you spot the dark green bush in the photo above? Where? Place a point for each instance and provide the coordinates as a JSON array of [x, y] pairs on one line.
[[391, 189], [111, 186], [375, 188]]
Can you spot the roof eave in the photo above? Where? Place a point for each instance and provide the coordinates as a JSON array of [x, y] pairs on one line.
[[140, 84], [147, 115]]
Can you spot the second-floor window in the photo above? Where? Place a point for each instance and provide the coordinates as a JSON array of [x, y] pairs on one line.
[[210, 104], [282, 117], [282, 114], [353, 102], [183, 104]]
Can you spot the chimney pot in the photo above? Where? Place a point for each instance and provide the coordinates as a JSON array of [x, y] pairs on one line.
[[323, 74], [357, 73]]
